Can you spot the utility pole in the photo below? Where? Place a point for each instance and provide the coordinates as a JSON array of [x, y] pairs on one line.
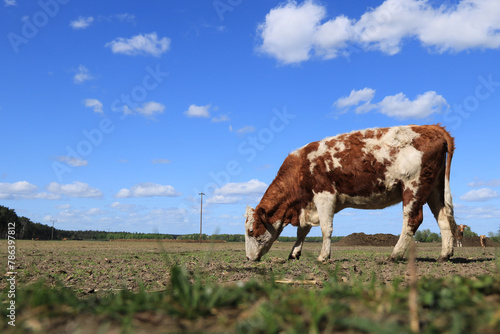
[[53, 221], [201, 212]]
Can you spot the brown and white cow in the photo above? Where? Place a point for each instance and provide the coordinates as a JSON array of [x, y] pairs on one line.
[[369, 169], [460, 234]]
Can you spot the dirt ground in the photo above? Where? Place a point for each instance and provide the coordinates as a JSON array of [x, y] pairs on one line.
[[93, 267]]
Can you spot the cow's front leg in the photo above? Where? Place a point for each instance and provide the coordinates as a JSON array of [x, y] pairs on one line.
[[325, 203], [297, 247]]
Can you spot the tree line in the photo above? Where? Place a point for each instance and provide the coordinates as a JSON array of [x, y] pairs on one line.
[[26, 229]]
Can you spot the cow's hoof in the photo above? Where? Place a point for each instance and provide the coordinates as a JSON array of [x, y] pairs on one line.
[[395, 259], [443, 259], [294, 257]]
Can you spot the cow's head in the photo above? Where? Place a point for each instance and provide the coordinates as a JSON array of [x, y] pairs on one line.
[[259, 234]]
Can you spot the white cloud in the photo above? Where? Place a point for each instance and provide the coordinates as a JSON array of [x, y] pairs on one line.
[[148, 190], [480, 195], [10, 3], [82, 75], [355, 98], [246, 129], [251, 187], [75, 189], [475, 213], [224, 199], [72, 161], [221, 118], [23, 189], [235, 192], [125, 17], [490, 183], [398, 105], [288, 31], [151, 108], [96, 105], [293, 32], [145, 44], [147, 109], [94, 212], [123, 207], [198, 111], [17, 189], [81, 22], [161, 161]]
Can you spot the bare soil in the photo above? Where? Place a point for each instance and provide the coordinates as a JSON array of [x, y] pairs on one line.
[[92, 267]]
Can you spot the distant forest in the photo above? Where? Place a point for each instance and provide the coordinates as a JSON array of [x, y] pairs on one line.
[[26, 229]]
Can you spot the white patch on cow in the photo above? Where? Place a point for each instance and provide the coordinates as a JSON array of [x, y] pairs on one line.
[[249, 218], [309, 216], [322, 150]]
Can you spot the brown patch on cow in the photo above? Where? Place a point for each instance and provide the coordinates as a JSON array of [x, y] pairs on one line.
[[331, 143], [415, 216], [393, 151], [434, 147], [360, 172], [381, 132]]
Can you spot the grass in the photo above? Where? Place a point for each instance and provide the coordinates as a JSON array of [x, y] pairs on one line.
[[148, 288], [447, 305]]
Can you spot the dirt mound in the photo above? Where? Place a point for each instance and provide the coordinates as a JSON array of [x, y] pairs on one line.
[[475, 242], [361, 239]]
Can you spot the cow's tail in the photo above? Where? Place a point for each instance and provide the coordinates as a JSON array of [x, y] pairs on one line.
[[450, 143], [448, 202]]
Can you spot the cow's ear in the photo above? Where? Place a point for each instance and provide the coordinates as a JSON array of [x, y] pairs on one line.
[[261, 213], [262, 216]]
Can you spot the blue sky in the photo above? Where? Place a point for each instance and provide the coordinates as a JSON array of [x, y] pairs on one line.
[[115, 115]]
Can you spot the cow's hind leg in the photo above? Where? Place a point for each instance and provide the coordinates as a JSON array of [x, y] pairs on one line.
[[412, 218], [325, 204], [297, 247], [445, 220]]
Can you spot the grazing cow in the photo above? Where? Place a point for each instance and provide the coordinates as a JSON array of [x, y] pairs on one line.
[[65, 239], [369, 169], [460, 234], [482, 239]]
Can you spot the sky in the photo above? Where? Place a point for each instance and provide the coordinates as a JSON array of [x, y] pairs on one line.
[[116, 115]]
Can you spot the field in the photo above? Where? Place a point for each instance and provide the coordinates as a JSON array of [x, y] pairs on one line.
[[168, 286]]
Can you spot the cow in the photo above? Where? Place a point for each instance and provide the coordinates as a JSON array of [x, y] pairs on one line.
[[482, 239], [368, 169], [460, 234]]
